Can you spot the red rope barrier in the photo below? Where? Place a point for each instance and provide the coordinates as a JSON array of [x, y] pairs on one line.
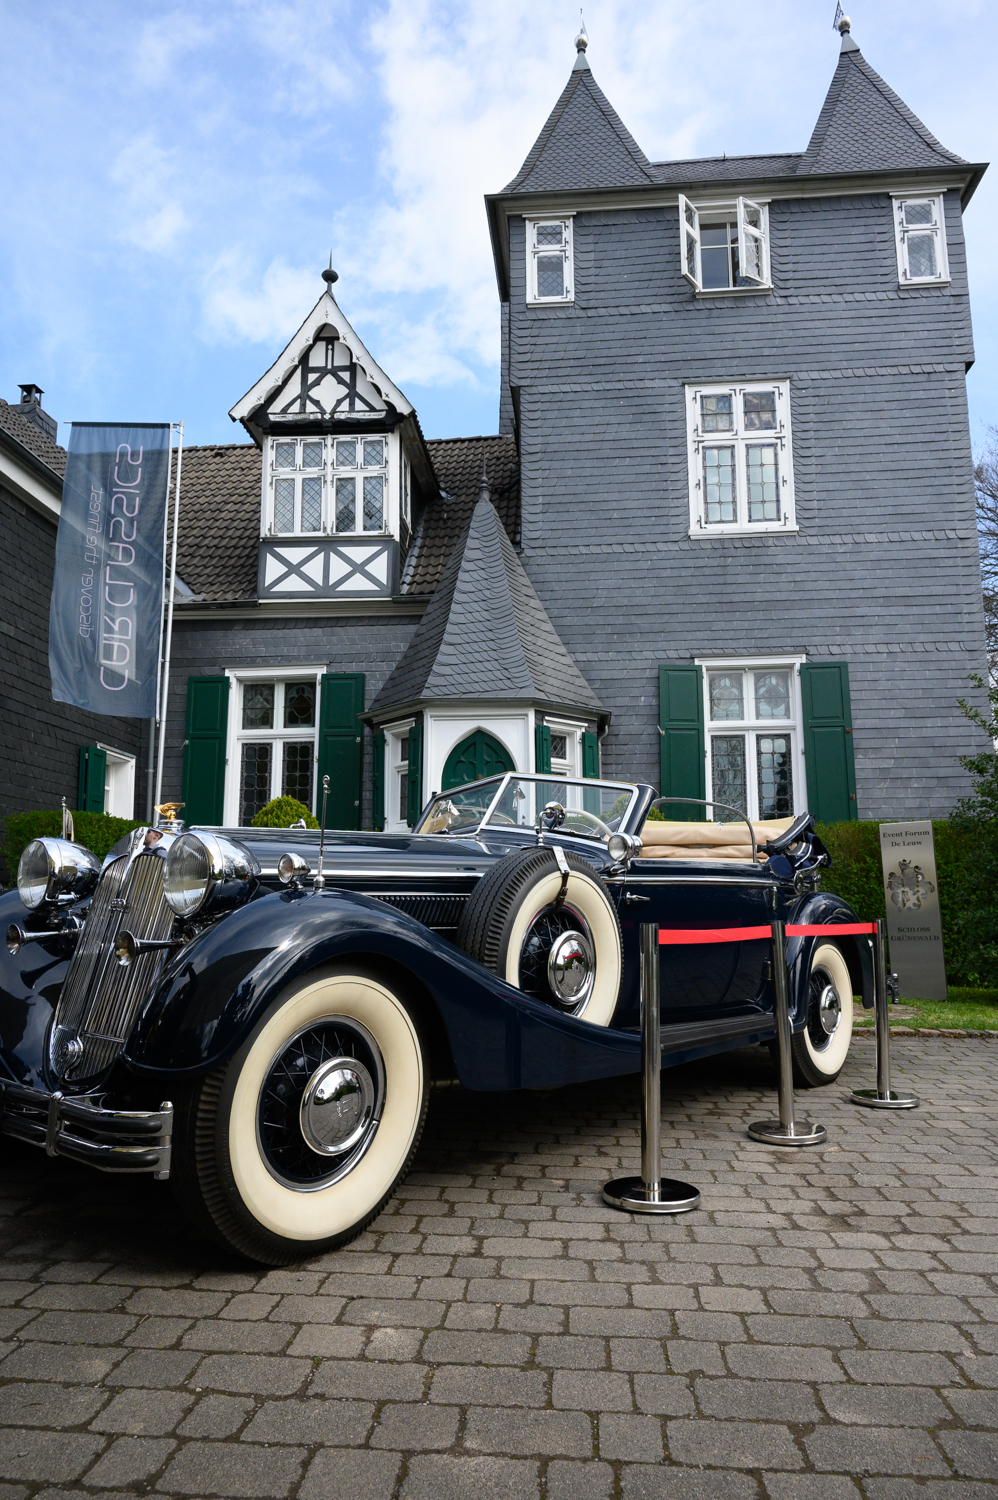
[[679, 935]]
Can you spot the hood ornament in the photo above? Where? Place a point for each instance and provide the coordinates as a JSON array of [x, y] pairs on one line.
[[168, 821]]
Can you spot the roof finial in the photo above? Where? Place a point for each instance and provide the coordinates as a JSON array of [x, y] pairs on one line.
[[484, 488], [329, 275], [581, 43], [843, 26]]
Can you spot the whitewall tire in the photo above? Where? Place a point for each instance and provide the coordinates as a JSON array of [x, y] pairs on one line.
[[556, 939], [821, 1047], [297, 1144]]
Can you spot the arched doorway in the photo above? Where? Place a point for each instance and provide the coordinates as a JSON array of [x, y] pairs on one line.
[[477, 756]]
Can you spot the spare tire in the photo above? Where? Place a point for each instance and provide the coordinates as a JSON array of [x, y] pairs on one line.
[[557, 938]]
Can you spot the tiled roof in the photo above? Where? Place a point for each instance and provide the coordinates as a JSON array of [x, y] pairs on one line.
[[584, 144], [219, 534], [220, 513], [31, 436], [458, 465], [864, 127], [486, 634]]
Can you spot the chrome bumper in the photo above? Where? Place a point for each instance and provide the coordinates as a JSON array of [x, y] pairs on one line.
[[115, 1140]]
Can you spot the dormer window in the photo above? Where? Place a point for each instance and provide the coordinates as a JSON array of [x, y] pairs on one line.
[[549, 262], [325, 485], [724, 246]]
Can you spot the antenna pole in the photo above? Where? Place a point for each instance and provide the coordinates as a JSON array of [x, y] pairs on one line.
[[165, 682], [319, 883]]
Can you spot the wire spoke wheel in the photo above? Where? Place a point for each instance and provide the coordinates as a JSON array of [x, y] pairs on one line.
[[553, 967], [344, 1056]]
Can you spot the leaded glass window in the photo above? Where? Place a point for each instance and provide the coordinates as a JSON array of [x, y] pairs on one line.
[[284, 506], [920, 229], [311, 455], [311, 505], [374, 502], [753, 738], [549, 260], [346, 504], [374, 453], [741, 484], [254, 780], [724, 247], [296, 778], [284, 455], [346, 453], [276, 743]]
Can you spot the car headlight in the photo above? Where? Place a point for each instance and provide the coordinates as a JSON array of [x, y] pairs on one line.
[[205, 870], [623, 847], [55, 870]]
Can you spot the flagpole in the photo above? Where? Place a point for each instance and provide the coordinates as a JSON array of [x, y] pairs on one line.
[[165, 684], [154, 722]]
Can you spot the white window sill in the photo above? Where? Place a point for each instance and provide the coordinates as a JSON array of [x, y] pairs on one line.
[[550, 301], [705, 533], [923, 281], [732, 291]]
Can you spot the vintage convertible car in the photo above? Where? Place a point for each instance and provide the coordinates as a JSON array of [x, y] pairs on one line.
[[258, 1014]]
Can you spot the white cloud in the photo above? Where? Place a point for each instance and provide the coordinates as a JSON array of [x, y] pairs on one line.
[[144, 213], [269, 311]]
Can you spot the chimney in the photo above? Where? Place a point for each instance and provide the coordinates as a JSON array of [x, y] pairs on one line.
[[30, 406]]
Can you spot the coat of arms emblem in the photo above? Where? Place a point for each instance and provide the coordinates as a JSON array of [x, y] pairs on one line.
[[908, 886]]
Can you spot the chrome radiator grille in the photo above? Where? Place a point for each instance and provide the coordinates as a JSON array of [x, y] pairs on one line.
[[100, 997]]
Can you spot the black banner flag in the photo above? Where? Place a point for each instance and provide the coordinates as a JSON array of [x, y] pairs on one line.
[[107, 594]]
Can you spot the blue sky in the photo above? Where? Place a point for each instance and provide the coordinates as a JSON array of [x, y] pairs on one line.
[[175, 177]]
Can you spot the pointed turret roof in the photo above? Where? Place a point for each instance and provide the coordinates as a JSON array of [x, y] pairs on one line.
[[486, 636], [584, 144], [865, 127]]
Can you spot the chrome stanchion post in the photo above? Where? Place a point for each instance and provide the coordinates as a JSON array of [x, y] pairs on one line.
[[883, 1096], [786, 1131], [651, 1193]]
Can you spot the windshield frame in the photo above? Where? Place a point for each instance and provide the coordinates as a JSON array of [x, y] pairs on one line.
[[584, 782]]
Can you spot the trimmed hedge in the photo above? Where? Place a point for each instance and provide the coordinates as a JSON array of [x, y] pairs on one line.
[[96, 831], [967, 898], [282, 812]]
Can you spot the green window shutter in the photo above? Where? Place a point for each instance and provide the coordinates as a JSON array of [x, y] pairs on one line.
[[828, 750], [542, 749], [341, 747], [415, 774], [203, 789], [378, 781], [590, 756], [93, 768], [681, 742]]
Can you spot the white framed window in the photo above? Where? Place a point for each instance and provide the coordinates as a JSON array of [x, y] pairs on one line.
[[566, 747], [327, 485], [119, 782], [740, 458], [406, 492], [549, 262], [724, 247], [273, 749], [397, 776], [920, 234], [752, 711]]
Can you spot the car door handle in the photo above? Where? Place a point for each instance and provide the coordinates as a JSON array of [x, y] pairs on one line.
[[630, 897]]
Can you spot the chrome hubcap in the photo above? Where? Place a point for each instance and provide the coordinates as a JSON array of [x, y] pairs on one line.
[[571, 968], [829, 1010], [337, 1105]]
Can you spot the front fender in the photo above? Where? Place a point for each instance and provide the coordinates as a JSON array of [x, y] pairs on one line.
[[825, 908], [217, 988]]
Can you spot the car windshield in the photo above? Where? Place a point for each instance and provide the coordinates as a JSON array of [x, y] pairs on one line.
[[591, 809]]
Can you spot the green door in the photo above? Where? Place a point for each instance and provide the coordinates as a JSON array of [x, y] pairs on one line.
[[203, 788], [341, 747], [477, 756]]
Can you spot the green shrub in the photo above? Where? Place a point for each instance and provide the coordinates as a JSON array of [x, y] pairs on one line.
[[95, 831], [282, 812], [966, 892]]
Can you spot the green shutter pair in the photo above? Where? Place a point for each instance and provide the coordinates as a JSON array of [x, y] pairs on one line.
[[828, 750], [341, 748], [542, 752]]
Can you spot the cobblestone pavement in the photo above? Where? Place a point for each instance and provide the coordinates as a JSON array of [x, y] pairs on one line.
[[825, 1327]]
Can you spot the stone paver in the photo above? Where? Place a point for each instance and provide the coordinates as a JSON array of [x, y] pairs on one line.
[[825, 1327]]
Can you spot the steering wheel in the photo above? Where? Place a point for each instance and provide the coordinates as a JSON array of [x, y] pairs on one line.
[[579, 821]]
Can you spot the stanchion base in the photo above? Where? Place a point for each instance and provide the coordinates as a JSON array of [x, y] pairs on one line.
[[772, 1133], [891, 1100], [631, 1194]]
